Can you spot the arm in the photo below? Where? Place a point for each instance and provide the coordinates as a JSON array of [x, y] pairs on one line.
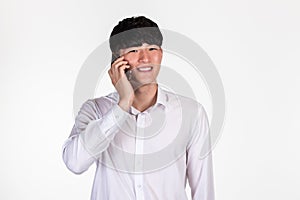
[[91, 135], [199, 161], [93, 131]]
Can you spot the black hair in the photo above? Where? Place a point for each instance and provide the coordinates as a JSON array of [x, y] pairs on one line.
[[132, 32]]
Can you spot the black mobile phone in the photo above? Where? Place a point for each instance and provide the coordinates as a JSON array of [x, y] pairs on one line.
[[128, 74]]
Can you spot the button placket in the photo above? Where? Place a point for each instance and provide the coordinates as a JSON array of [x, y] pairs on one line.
[[139, 145]]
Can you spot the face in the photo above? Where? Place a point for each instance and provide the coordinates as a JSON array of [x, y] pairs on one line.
[[144, 61]]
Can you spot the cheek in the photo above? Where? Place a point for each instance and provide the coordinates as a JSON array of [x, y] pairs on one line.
[[158, 58], [131, 59]]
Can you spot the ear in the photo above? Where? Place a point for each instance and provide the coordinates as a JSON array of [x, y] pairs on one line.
[[114, 57]]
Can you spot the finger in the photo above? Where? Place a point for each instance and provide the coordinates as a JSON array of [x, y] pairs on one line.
[[122, 69], [118, 65], [118, 60]]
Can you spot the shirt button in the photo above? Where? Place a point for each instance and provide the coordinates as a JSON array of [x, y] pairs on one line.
[[140, 186]]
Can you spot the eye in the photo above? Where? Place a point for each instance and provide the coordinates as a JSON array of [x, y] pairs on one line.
[[153, 48], [133, 51]]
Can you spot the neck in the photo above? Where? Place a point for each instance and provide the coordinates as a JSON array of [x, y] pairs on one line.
[[145, 97]]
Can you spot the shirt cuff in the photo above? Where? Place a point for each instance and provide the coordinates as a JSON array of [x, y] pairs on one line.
[[99, 133], [113, 120]]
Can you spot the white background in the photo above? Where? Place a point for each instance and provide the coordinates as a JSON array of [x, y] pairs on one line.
[[254, 44]]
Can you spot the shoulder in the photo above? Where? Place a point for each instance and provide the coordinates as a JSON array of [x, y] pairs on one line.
[[101, 105], [186, 103], [109, 99]]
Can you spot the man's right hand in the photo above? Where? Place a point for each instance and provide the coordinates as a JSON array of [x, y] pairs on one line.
[[121, 83]]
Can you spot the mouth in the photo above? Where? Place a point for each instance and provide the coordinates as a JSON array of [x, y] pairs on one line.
[[145, 69]]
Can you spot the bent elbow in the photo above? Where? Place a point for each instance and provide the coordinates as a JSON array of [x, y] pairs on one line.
[[73, 164]]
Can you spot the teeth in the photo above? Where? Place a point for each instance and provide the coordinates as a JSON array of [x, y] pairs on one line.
[[143, 69]]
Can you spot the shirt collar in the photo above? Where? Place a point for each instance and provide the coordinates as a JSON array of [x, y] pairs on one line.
[[161, 99]]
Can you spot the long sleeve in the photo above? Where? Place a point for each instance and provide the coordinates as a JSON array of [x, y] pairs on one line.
[[91, 135], [199, 162]]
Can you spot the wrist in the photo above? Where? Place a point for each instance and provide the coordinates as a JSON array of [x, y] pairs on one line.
[[125, 105]]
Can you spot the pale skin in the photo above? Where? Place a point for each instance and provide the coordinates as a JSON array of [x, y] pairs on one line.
[[145, 61]]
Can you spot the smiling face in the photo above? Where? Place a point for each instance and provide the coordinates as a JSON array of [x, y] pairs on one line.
[[144, 62]]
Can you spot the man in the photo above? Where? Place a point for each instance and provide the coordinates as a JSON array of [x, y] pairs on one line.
[[145, 141]]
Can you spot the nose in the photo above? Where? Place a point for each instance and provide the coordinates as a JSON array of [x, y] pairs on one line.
[[144, 56]]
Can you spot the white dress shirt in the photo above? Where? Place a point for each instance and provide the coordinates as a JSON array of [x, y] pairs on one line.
[[143, 155]]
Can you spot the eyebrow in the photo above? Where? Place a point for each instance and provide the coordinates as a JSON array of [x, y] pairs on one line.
[[141, 47]]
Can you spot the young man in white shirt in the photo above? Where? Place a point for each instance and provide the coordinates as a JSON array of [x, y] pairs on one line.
[[144, 140]]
